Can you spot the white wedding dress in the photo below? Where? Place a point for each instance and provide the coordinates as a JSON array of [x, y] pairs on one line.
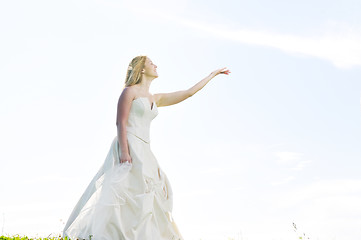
[[128, 201]]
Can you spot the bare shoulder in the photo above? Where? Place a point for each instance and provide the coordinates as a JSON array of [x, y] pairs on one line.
[[128, 93]]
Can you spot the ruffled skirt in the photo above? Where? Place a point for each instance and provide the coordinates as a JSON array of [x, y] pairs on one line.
[[126, 201]]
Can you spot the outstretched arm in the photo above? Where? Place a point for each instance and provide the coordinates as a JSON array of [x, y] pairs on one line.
[[166, 99]]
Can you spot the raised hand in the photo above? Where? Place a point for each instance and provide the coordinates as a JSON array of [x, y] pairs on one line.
[[220, 71]]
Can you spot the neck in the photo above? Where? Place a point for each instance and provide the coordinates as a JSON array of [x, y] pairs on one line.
[[145, 84]]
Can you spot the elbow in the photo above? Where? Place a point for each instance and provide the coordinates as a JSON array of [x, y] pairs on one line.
[[189, 93]]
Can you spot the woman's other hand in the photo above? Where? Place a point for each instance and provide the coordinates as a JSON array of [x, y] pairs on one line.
[[125, 157]]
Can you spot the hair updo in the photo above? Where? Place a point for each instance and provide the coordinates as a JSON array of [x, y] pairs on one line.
[[134, 72]]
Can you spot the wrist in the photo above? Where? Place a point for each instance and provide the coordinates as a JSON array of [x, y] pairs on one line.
[[124, 152]]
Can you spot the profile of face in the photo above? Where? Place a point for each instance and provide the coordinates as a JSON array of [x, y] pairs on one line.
[[150, 69]]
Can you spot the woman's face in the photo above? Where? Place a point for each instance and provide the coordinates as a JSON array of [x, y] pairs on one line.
[[150, 69]]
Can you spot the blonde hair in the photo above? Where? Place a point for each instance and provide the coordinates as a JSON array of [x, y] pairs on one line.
[[134, 72]]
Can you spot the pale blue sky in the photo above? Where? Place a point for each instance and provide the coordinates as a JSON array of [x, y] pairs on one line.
[[276, 141]]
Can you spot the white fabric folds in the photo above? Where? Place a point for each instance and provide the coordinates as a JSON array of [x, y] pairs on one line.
[[128, 201]]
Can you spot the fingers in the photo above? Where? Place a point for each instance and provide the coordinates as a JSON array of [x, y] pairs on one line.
[[224, 71], [221, 71], [126, 160]]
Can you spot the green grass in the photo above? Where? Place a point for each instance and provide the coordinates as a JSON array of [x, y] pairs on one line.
[[18, 237], [27, 238], [299, 236]]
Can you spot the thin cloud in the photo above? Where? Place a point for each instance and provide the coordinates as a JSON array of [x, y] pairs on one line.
[[342, 49], [288, 157], [292, 158], [321, 189], [301, 165], [283, 181]]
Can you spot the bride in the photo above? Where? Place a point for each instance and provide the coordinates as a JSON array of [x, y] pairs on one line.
[[130, 197]]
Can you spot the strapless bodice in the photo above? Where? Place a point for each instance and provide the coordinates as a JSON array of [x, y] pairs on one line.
[[140, 116]]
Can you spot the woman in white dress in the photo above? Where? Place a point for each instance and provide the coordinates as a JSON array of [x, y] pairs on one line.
[[130, 198]]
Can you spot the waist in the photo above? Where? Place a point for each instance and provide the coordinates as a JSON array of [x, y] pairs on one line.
[[143, 137]]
